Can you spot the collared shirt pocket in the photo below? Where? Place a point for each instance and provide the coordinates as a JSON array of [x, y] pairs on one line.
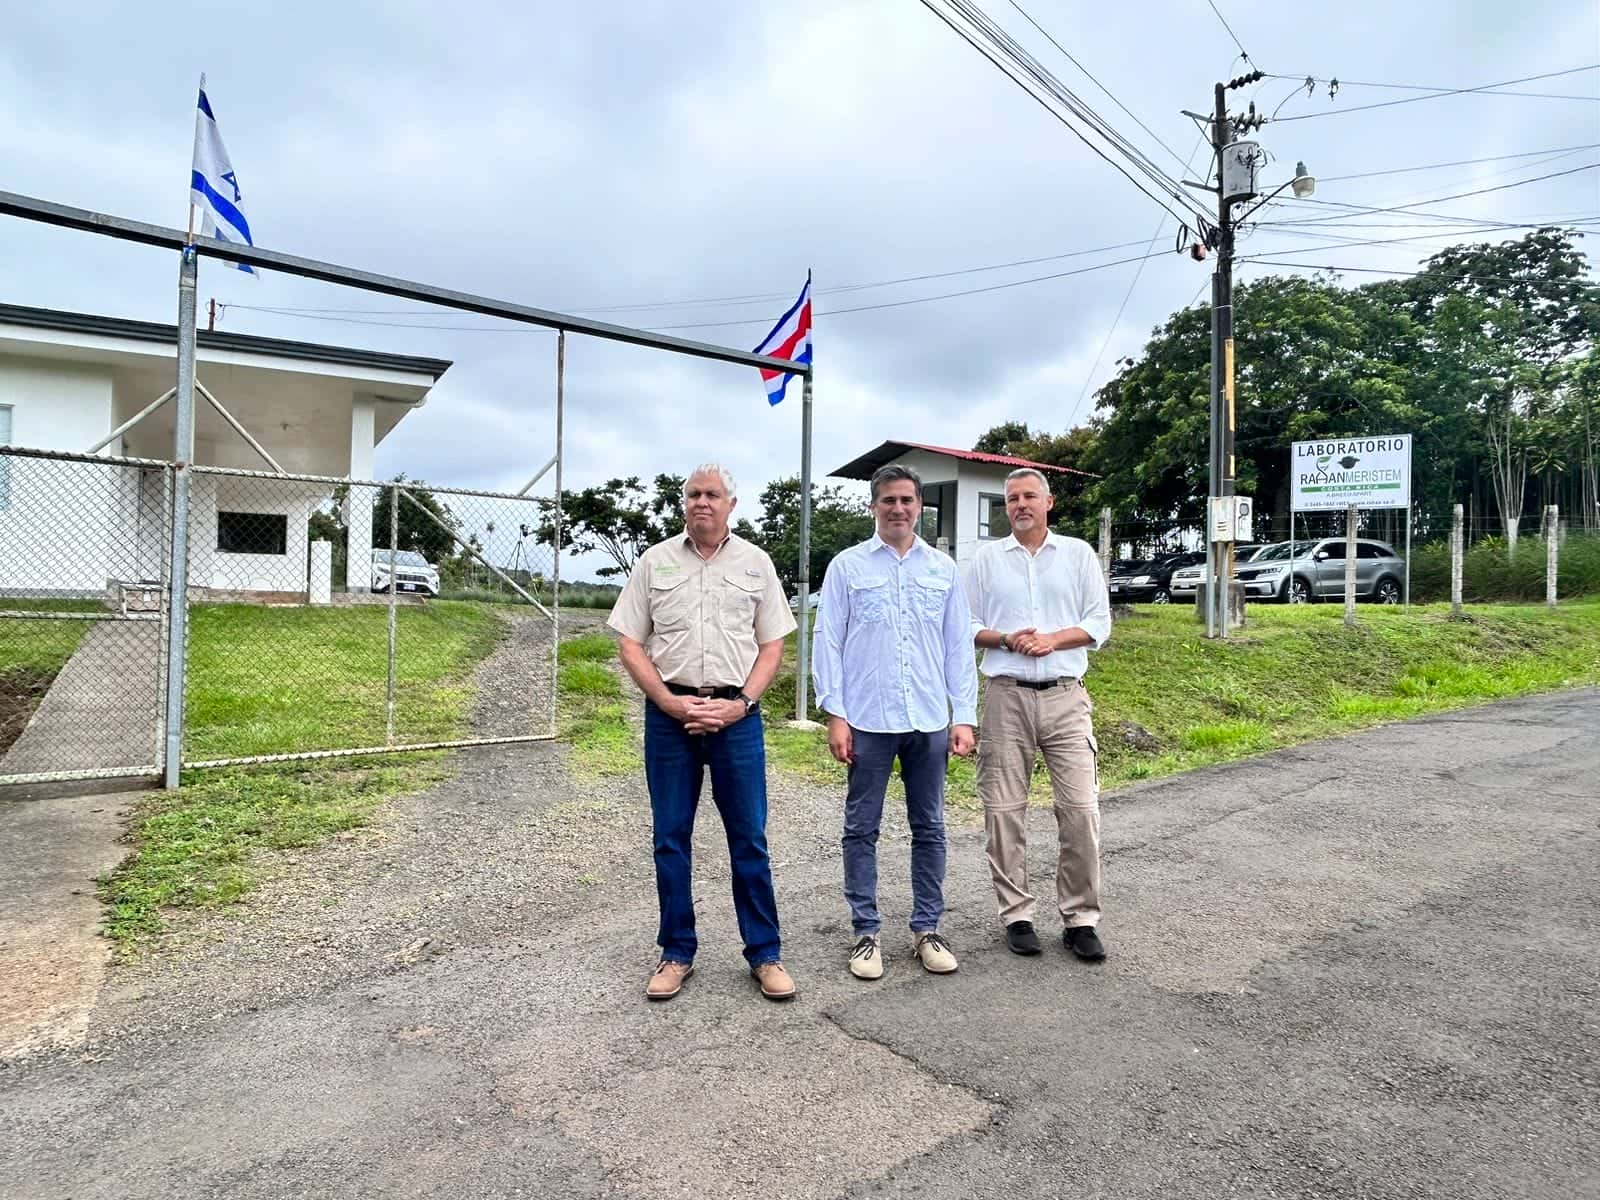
[[932, 594], [741, 594], [671, 600], [869, 598]]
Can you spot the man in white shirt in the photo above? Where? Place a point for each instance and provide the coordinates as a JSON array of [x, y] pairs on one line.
[[1039, 604], [894, 672]]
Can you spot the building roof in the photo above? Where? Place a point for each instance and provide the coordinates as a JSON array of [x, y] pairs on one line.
[[863, 467], [150, 331]]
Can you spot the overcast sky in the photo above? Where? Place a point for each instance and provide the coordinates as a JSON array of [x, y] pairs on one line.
[[582, 157]]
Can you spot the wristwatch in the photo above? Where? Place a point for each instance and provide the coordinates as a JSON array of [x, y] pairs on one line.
[[749, 705], [1004, 645]]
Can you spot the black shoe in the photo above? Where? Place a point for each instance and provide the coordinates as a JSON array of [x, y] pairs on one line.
[[1083, 941], [1021, 938]]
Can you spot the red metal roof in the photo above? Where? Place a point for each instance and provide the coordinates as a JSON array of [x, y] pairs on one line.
[[863, 467]]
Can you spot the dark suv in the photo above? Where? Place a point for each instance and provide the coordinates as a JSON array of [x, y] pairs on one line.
[[1152, 580]]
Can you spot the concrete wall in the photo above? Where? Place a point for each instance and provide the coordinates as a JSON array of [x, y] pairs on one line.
[[67, 527], [210, 567]]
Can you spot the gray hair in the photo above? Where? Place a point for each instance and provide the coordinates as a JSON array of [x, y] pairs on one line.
[[894, 473], [717, 469], [1022, 472]]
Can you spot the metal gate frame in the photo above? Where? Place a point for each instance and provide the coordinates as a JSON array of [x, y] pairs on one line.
[[162, 617], [398, 492], [191, 246]]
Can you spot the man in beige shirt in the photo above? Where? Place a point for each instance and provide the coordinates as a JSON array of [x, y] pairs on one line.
[[702, 622]]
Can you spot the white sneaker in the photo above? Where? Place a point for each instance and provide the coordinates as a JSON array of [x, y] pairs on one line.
[[935, 953], [866, 959]]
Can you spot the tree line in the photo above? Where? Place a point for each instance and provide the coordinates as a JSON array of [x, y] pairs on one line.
[[1487, 356]]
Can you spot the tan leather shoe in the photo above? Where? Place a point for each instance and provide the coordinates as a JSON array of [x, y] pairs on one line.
[[668, 980], [935, 953], [866, 957], [776, 983]]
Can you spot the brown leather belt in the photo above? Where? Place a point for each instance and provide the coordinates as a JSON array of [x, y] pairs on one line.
[[711, 693]]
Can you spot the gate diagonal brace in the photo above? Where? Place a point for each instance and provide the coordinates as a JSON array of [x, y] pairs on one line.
[[470, 549]]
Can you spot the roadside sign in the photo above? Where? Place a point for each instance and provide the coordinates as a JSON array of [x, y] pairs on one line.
[[1368, 472]]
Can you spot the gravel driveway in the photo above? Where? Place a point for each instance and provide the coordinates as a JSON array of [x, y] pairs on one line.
[[1329, 976]]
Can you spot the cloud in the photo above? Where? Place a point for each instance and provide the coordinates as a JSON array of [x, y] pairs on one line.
[[614, 154]]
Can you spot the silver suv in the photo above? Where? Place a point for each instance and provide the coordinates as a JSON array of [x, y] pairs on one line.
[[1319, 572]]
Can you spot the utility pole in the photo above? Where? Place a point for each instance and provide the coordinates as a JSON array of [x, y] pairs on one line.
[[1220, 559], [1235, 183]]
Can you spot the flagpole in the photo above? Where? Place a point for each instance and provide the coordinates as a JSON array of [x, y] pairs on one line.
[[190, 236], [802, 676]]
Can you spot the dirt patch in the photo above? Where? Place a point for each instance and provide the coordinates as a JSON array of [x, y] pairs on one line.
[[21, 689]]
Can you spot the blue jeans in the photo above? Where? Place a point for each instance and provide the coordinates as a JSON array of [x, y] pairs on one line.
[[675, 762], [923, 757]]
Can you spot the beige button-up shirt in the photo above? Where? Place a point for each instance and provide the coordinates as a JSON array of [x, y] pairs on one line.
[[701, 621]]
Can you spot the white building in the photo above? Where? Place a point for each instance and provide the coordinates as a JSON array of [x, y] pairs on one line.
[[963, 491], [70, 380]]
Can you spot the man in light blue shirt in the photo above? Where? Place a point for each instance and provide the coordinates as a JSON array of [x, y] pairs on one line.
[[894, 671]]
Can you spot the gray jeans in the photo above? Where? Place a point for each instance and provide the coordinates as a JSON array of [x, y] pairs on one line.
[[923, 757]]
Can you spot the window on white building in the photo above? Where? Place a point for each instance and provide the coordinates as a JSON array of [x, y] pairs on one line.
[[252, 533], [992, 519]]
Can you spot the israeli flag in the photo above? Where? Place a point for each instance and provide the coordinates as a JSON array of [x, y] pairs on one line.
[[213, 186]]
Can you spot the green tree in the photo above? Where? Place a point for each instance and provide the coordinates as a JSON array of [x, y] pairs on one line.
[[838, 521], [1072, 511], [620, 518], [425, 522]]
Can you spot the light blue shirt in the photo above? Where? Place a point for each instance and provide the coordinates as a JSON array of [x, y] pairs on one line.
[[892, 652]]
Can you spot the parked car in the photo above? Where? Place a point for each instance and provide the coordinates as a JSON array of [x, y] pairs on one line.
[[814, 603], [1152, 580], [1186, 581], [412, 572], [1319, 572]]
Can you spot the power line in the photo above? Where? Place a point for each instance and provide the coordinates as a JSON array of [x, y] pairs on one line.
[[1420, 87], [1413, 274], [1098, 84], [994, 287], [1242, 53], [1121, 308], [1002, 50], [754, 321], [1554, 151], [1438, 94], [1414, 208], [841, 288]]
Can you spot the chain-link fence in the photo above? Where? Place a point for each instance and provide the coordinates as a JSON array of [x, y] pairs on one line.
[[325, 616], [83, 614]]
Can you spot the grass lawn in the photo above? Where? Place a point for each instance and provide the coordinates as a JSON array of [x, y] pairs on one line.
[[277, 680], [1293, 674], [271, 680], [32, 653], [594, 714]]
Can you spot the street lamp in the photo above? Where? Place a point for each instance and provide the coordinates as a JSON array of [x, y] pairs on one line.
[[1303, 183]]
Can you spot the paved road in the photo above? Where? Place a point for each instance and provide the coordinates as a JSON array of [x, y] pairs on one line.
[[1364, 968]]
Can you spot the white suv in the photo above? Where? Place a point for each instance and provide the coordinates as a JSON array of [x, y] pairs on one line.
[[412, 572]]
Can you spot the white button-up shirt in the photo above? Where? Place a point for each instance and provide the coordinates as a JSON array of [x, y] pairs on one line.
[[893, 646], [1060, 587]]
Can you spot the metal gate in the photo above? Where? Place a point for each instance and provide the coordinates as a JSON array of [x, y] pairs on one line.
[[84, 591], [421, 618]]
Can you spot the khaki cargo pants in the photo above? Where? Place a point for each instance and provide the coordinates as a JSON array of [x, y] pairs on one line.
[[1019, 722]]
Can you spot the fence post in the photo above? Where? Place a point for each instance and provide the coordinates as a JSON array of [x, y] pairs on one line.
[[394, 598], [1105, 546], [1457, 549], [1552, 552], [1350, 567], [183, 463]]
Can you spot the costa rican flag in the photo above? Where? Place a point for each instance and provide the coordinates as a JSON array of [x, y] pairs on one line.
[[790, 338]]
